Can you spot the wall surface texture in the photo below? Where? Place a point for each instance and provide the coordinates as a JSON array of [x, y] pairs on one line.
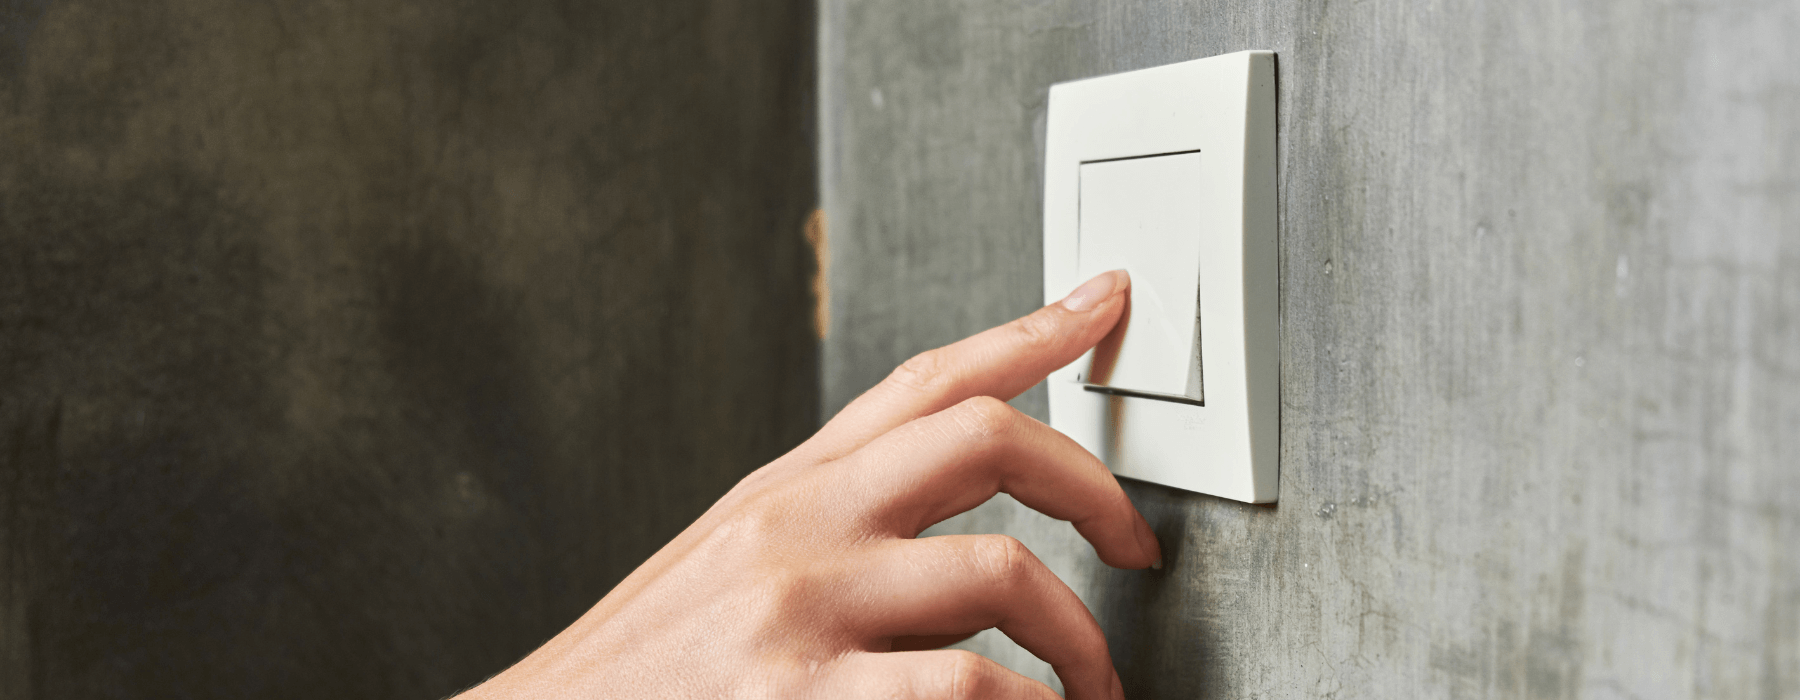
[[353, 348], [1541, 331]]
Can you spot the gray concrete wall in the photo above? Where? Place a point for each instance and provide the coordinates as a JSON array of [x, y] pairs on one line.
[[353, 348], [1540, 347]]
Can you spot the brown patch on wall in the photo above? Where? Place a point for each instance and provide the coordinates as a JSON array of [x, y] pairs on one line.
[[821, 285]]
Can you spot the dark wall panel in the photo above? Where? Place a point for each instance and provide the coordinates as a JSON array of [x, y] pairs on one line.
[[357, 347]]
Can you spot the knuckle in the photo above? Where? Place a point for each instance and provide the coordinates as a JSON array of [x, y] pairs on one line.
[[966, 675], [1003, 559], [985, 417], [779, 599], [758, 519], [1038, 330], [790, 595], [923, 372]]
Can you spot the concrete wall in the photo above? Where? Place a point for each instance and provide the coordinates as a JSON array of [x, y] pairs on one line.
[[1541, 341], [353, 348]]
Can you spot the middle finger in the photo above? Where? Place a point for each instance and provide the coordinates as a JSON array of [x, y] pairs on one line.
[[949, 462]]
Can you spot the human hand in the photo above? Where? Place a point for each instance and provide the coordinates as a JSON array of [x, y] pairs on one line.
[[806, 580]]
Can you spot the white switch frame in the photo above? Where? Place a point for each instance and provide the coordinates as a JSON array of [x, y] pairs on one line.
[[1223, 107]]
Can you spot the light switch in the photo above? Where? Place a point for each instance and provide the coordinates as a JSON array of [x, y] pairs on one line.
[[1143, 215], [1169, 173]]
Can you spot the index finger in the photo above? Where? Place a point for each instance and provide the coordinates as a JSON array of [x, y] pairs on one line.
[[1001, 362]]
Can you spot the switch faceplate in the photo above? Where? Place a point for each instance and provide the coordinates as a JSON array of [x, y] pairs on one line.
[[1169, 173]]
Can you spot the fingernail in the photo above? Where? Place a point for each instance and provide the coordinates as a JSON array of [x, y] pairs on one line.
[[1096, 290]]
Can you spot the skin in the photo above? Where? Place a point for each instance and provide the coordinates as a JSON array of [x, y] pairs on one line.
[[808, 580]]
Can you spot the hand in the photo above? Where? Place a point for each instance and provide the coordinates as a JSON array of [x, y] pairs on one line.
[[806, 580]]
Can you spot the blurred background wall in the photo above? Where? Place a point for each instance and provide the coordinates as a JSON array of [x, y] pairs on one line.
[[355, 348], [1541, 331]]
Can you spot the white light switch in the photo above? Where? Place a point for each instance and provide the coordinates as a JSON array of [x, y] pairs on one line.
[[1143, 215], [1169, 173]]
